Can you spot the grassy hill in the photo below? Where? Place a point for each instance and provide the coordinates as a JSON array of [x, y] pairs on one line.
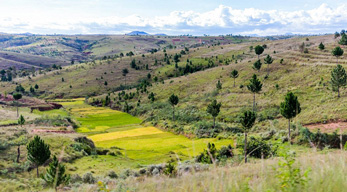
[[305, 74], [26, 51]]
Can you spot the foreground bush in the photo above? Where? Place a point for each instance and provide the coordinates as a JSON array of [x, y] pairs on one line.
[[258, 148]]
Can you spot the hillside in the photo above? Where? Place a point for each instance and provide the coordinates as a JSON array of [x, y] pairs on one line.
[[62, 49], [94, 74], [305, 74]]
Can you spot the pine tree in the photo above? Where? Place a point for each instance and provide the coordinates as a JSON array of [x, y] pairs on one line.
[[343, 40], [255, 87], [125, 71], [268, 60], [338, 78], [234, 74], [289, 109], [259, 50], [219, 85], [21, 120], [257, 65], [321, 46], [38, 152], [173, 100], [55, 174], [247, 121], [337, 52], [214, 108], [16, 97]]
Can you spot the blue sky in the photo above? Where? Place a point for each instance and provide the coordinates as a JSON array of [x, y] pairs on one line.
[[214, 17]]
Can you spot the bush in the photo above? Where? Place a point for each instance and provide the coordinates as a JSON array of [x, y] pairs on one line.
[[319, 139], [112, 174], [4, 145], [205, 129], [170, 170], [258, 148], [88, 178], [211, 154]]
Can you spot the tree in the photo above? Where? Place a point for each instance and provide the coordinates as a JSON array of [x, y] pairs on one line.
[[21, 120], [337, 52], [176, 58], [55, 174], [151, 97], [343, 40], [247, 121], [105, 83], [17, 96], [255, 87], [234, 74], [22, 140], [338, 78], [257, 65], [321, 46], [125, 71], [336, 35], [32, 90], [173, 100], [259, 50], [268, 60], [289, 109], [219, 85], [36, 86], [38, 152], [214, 108]]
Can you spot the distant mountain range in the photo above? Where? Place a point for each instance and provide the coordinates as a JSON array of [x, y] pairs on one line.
[[134, 33]]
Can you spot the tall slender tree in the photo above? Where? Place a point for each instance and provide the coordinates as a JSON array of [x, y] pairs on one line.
[[173, 100], [214, 108], [16, 97], [255, 87], [38, 152], [125, 72], [259, 50], [338, 78], [234, 74], [337, 52], [247, 122], [268, 60], [289, 109]]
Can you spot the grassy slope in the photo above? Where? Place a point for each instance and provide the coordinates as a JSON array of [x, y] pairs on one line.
[[307, 75]]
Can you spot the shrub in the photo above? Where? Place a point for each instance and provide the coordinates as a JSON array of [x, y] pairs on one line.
[[258, 148], [205, 129], [170, 170], [4, 145], [211, 154], [88, 178], [112, 174]]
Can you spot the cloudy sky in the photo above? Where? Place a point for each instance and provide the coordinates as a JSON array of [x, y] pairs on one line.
[[174, 17]]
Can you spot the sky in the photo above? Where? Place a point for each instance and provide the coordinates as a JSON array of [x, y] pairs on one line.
[[174, 17]]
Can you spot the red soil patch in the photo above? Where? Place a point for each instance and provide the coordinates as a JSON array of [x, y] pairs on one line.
[[328, 127]]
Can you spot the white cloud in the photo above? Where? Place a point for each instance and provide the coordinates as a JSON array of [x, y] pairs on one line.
[[221, 20]]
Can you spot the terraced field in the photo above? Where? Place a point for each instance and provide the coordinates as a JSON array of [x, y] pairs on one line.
[[141, 145]]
